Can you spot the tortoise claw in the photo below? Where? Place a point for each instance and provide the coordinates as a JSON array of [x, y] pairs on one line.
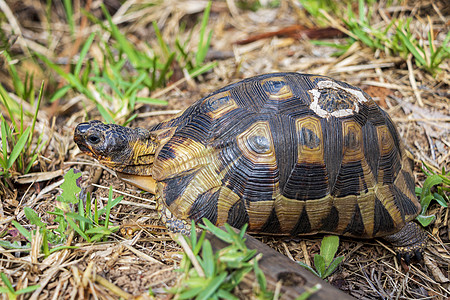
[[410, 256], [409, 242], [407, 258], [418, 254]]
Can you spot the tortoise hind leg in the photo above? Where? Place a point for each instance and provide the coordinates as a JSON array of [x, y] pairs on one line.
[[409, 241]]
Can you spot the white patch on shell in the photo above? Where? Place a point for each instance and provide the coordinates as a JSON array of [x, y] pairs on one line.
[[327, 84]]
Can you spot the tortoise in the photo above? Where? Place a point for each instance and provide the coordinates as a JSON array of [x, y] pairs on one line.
[[287, 153]]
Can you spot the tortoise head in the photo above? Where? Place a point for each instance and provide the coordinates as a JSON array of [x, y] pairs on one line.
[[128, 151]]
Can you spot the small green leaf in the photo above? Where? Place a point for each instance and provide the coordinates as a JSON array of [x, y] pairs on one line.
[[431, 181], [212, 287], [70, 188], [22, 230], [332, 267], [13, 245], [440, 200], [319, 263], [425, 220], [208, 259], [33, 217], [308, 268], [425, 202], [418, 191], [329, 248], [190, 293], [223, 294], [216, 231]]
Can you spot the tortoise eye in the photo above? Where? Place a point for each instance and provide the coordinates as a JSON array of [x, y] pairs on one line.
[[93, 139]]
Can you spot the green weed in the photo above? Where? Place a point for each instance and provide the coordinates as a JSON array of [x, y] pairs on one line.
[[394, 38], [9, 290], [325, 263], [91, 226], [112, 82], [85, 222], [18, 154], [209, 275], [434, 188]]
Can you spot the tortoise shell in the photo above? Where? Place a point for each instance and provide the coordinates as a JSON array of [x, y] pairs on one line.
[[287, 153]]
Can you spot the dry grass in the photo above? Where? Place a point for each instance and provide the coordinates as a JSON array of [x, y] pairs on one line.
[[143, 256]]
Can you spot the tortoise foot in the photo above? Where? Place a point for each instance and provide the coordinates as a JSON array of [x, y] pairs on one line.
[[173, 224], [409, 242]]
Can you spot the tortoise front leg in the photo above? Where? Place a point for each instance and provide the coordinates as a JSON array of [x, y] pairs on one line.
[[146, 183], [409, 241]]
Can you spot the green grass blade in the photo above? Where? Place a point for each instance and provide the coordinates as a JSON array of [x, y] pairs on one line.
[[33, 217], [108, 206], [8, 102], [202, 48], [28, 289], [216, 231], [70, 78], [212, 287], [412, 48], [208, 261], [135, 84], [153, 101], [79, 218], [4, 160], [125, 46], [62, 248], [18, 148], [69, 14], [38, 105], [114, 202], [22, 230], [198, 71], [60, 93], [165, 70], [105, 114], [17, 81], [83, 53], [160, 39], [77, 229], [7, 282], [362, 16]]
